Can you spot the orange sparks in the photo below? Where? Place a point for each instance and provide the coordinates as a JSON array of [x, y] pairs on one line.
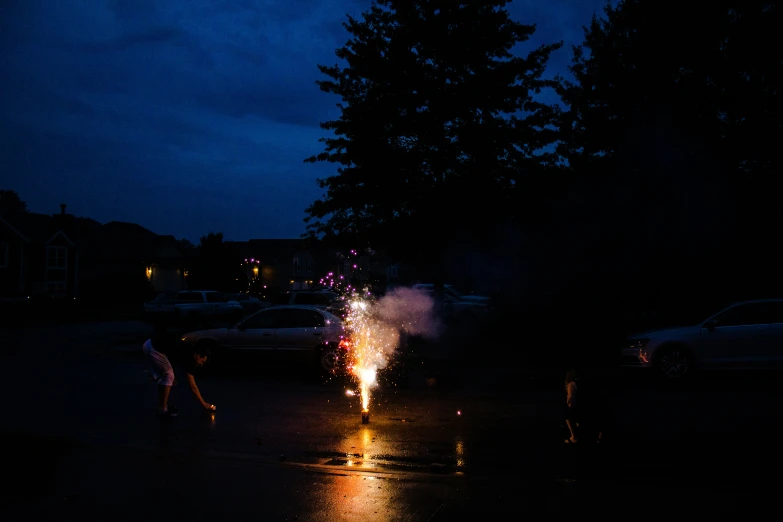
[[372, 343]]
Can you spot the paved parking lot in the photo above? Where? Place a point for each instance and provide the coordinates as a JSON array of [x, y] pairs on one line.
[[89, 390]]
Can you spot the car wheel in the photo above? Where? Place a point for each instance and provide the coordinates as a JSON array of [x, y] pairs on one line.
[[329, 359], [674, 363]]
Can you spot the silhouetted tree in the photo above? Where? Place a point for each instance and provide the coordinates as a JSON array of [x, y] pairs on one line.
[[184, 245], [10, 202], [216, 267], [88, 222], [669, 132], [437, 120]]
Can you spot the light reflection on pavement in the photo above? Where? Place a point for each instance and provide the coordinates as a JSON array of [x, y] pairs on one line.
[[294, 447], [107, 400]]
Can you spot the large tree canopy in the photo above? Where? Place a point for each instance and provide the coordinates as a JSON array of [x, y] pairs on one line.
[[669, 130], [665, 94], [10, 202], [439, 127]]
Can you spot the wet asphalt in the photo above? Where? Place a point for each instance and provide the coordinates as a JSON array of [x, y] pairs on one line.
[[284, 444]]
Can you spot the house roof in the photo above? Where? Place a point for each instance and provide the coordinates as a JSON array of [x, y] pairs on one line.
[[62, 234], [128, 230], [32, 227], [132, 242], [268, 251]]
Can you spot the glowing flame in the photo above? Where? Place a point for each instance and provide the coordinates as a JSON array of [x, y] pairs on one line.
[[367, 380]]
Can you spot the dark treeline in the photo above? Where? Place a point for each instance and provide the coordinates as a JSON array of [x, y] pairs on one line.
[[649, 186]]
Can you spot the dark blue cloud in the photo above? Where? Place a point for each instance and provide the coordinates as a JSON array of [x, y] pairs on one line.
[[189, 116]]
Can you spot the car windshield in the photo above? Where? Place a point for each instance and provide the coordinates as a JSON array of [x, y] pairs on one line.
[[453, 289]]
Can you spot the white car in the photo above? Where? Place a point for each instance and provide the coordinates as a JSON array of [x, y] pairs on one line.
[[306, 333], [744, 336]]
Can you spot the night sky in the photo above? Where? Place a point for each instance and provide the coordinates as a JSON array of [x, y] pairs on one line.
[[186, 116]]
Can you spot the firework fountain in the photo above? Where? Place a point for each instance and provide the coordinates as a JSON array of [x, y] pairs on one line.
[[374, 328], [372, 344]]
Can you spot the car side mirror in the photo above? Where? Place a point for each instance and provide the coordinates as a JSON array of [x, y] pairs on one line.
[[710, 325]]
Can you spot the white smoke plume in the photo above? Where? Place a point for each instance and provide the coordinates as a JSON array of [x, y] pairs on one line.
[[378, 325], [409, 310]]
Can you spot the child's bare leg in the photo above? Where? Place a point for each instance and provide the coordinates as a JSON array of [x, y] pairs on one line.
[[163, 397], [570, 425]]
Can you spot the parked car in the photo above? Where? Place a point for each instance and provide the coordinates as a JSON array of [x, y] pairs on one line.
[[455, 308], [307, 333], [164, 297], [453, 292], [745, 336], [192, 306], [339, 307], [248, 302], [318, 298]]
